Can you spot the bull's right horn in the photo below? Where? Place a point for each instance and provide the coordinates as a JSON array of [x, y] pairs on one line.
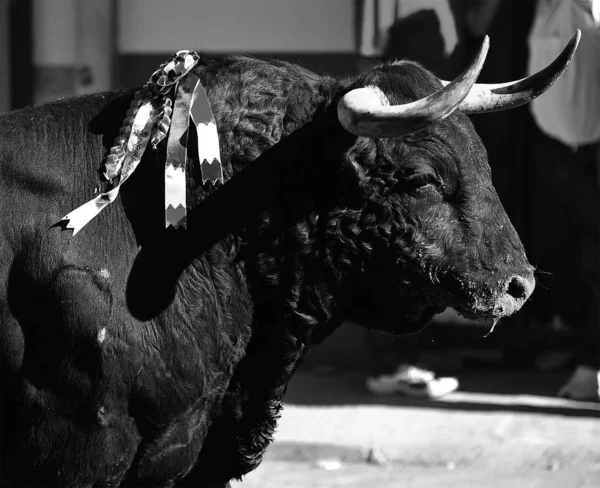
[[366, 112], [504, 96]]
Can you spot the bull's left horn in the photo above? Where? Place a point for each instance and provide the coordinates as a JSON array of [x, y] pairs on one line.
[[366, 112], [504, 96]]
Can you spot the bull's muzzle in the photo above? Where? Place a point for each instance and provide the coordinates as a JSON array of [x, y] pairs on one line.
[[516, 292], [488, 308]]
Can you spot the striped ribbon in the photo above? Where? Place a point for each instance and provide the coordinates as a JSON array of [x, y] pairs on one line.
[[152, 117], [190, 103]]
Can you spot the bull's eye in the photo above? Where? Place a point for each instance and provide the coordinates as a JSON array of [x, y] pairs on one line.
[[420, 180], [419, 184]]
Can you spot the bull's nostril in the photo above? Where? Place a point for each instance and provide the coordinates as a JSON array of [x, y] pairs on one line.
[[517, 288]]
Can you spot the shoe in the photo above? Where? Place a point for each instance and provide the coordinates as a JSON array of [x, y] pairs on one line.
[[584, 385], [412, 381]]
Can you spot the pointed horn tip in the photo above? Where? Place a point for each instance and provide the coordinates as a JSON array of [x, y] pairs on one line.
[[485, 45], [571, 47], [486, 42], [473, 70], [482, 54], [569, 50], [575, 39]]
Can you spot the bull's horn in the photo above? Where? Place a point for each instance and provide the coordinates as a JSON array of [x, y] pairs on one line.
[[366, 111], [503, 96]]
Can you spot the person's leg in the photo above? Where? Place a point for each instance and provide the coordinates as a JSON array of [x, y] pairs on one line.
[[556, 232], [584, 383], [590, 257], [589, 353]]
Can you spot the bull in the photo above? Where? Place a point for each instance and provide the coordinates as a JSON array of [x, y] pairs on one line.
[[132, 356]]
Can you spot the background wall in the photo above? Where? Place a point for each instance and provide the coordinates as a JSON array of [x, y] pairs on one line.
[[318, 34], [66, 47], [4, 57], [257, 26]]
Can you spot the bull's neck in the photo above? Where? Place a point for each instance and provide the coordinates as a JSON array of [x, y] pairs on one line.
[[248, 415]]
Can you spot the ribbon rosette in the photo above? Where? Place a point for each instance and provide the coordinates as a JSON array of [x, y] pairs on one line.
[[151, 117]]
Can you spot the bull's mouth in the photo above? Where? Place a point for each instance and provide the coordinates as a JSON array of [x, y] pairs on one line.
[[480, 324], [485, 315], [488, 324]]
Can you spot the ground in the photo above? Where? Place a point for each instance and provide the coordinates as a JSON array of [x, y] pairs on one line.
[[504, 428], [303, 475]]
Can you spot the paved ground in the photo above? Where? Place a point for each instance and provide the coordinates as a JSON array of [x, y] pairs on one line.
[[504, 428], [304, 475]]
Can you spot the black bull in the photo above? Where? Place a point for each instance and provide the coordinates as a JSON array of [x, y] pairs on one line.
[[132, 356]]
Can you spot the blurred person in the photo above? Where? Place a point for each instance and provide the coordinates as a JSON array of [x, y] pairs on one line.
[[566, 154], [426, 31], [430, 33]]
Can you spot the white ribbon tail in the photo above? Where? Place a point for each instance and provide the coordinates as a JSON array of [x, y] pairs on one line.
[[209, 154], [79, 217], [175, 199], [136, 145]]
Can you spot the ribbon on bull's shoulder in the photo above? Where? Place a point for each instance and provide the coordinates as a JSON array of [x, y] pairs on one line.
[[126, 158], [152, 117], [208, 139], [190, 102]]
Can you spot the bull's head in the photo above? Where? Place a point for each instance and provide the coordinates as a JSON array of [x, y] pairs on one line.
[[429, 230]]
